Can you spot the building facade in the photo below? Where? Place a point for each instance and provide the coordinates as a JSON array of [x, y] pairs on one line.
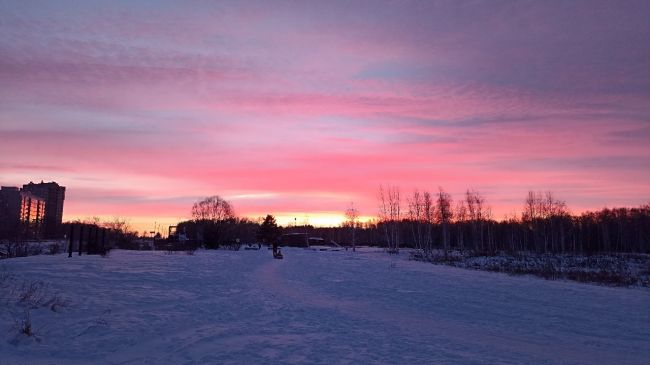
[[22, 214], [53, 194]]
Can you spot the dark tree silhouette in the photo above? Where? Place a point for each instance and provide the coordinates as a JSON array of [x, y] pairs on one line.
[[390, 215], [269, 232], [352, 221], [215, 222], [443, 217], [213, 208]]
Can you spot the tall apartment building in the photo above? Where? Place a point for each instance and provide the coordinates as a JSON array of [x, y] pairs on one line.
[[21, 213], [53, 194]]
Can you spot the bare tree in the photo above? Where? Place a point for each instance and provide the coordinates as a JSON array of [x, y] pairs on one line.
[[119, 225], [476, 214], [545, 217], [443, 217], [416, 218], [213, 208], [489, 223], [390, 215], [215, 219], [461, 217], [352, 221], [429, 209]]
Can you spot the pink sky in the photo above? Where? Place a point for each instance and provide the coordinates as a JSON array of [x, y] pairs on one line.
[[298, 109]]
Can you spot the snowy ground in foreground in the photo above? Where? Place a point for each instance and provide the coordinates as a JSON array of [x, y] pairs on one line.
[[221, 307]]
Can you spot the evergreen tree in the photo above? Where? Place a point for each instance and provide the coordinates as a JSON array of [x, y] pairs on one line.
[[269, 231]]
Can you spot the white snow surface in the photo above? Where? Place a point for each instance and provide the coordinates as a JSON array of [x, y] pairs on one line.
[[314, 307]]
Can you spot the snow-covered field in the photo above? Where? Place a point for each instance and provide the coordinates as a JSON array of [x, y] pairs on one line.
[[224, 307]]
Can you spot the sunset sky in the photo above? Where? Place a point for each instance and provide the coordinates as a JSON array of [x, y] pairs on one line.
[[299, 108]]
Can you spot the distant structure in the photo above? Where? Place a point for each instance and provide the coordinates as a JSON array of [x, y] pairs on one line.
[[53, 194], [304, 240], [21, 213], [295, 240]]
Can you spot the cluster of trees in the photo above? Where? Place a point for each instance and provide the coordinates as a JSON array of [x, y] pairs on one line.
[[432, 221], [215, 225], [121, 233], [427, 213]]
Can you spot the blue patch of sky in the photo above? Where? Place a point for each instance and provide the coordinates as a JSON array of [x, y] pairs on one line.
[[393, 71], [605, 163]]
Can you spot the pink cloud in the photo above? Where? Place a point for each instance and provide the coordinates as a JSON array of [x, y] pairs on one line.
[[141, 111]]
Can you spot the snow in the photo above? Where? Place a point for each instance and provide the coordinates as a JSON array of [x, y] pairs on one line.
[[622, 269], [316, 307]]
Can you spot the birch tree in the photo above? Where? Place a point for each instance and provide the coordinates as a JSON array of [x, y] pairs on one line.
[[443, 217], [352, 221], [390, 215]]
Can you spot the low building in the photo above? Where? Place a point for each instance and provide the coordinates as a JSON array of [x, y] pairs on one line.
[[294, 240], [302, 240]]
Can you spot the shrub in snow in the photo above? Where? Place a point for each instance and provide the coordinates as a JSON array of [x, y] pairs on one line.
[[19, 298], [36, 294], [25, 325], [54, 248], [232, 246], [619, 270]]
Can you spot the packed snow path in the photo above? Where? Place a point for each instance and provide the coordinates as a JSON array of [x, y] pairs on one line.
[[221, 307]]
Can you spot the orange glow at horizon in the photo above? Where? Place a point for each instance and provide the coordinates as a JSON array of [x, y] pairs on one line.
[[148, 224], [316, 219]]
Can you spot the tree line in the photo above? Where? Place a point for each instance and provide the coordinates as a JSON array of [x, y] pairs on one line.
[[431, 221]]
